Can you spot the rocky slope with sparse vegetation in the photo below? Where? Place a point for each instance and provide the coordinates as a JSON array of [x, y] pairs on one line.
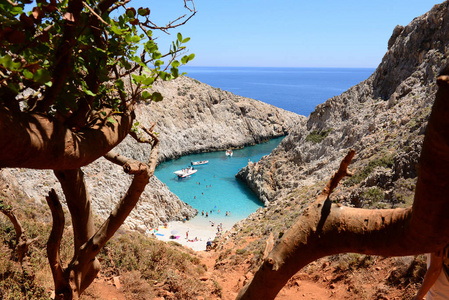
[[383, 118]]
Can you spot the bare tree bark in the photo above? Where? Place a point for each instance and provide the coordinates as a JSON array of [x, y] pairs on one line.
[[82, 270], [39, 142], [79, 204], [63, 290], [326, 228]]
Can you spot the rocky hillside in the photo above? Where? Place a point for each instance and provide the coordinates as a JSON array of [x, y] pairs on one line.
[[193, 117], [382, 118]]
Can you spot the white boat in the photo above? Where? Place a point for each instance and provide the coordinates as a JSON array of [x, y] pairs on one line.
[[185, 172], [197, 163], [229, 153]]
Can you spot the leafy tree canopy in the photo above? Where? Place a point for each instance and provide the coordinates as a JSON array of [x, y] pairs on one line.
[[66, 58]]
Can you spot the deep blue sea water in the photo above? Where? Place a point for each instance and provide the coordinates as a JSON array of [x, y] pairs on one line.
[[294, 89], [214, 186]]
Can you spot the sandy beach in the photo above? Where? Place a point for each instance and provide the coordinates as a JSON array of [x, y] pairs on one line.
[[193, 233]]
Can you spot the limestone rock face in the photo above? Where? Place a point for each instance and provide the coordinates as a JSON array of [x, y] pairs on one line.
[[192, 118], [195, 117], [383, 118]]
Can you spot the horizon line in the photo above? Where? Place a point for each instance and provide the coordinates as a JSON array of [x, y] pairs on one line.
[[278, 67]]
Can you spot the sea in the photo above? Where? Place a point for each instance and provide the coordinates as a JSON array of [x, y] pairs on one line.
[[294, 89], [214, 188]]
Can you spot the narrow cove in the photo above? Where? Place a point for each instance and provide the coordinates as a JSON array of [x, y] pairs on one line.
[[214, 188]]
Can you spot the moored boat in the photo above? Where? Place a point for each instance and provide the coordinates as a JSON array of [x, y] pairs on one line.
[[229, 152], [185, 172], [197, 163]]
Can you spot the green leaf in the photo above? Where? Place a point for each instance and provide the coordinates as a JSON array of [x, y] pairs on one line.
[[157, 97], [111, 120], [146, 95], [14, 87], [28, 74], [157, 55], [9, 63], [125, 64], [148, 81], [185, 40], [143, 11], [179, 36], [191, 56], [16, 10], [137, 78], [131, 12], [115, 29], [42, 76], [88, 92], [175, 64], [135, 39], [120, 84]]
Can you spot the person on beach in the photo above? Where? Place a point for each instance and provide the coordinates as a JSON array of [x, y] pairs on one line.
[[187, 235], [436, 280], [207, 215]]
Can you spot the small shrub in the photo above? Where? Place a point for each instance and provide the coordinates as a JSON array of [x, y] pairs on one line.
[[240, 251], [384, 161], [318, 136], [373, 195]]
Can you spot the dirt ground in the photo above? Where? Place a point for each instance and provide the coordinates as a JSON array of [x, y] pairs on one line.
[[322, 279]]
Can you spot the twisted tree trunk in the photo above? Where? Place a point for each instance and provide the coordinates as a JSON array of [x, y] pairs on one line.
[[72, 280], [326, 228]]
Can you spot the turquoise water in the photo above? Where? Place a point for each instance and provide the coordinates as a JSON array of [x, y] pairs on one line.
[[214, 186]]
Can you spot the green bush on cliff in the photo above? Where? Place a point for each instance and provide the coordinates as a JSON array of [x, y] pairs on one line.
[[317, 136], [385, 161]]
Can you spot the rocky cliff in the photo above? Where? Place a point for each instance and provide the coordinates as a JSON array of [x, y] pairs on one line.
[[193, 117], [382, 118]]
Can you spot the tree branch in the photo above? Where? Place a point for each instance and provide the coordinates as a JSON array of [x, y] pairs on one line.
[[54, 241], [340, 174], [123, 208], [79, 204], [40, 142]]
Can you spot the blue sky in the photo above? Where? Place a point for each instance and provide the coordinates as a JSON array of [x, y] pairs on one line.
[[288, 33]]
